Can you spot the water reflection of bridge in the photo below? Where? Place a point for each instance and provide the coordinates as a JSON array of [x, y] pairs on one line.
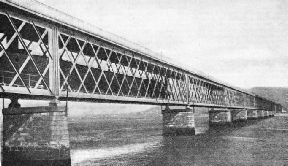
[[48, 55]]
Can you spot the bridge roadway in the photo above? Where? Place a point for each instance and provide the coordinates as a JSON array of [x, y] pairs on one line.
[[48, 55]]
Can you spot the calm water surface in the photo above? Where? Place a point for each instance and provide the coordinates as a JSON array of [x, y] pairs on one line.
[[139, 142]]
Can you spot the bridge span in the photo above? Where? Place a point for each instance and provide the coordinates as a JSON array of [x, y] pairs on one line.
[[48, 55]]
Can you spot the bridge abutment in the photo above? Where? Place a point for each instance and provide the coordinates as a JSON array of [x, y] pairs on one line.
[[219, 116], [178, 121], [35, 136]]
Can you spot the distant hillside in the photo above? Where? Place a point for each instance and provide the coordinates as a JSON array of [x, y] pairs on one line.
[[277, 94]]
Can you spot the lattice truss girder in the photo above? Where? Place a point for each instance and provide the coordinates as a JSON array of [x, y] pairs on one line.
[[265, 104], [24, 53], [88, 66]]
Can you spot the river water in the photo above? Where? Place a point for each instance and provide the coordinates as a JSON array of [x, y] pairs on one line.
[[126, 141]]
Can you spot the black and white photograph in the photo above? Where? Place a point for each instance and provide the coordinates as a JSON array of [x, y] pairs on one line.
[[144, 82]]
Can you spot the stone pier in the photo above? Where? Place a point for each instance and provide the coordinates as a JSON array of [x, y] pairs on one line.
[[35, 136], [260, 113], [252, 114], [178, 121], [238, 115], [266, 114], [270, 113], [219, 116]]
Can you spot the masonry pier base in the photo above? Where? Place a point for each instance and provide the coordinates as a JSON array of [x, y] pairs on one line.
[[219, 116], [252, 114], [35, 136], [270, 113], [238, 115], [178, 122], [260, 114], [266, 114]]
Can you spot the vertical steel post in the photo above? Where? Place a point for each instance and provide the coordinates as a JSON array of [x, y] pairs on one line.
[[2, 76], [54, 74], [245, 97], [187, 88], [254, 101], [29, 81]]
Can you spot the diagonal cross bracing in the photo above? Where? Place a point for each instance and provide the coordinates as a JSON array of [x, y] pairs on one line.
[[95, 67]]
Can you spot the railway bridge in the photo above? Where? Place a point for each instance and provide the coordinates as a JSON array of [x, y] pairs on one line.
[[48, 55]]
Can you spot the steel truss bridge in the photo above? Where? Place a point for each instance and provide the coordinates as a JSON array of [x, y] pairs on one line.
[[46, 54]]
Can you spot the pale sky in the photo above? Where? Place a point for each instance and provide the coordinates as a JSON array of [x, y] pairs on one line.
[[243, 43]]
